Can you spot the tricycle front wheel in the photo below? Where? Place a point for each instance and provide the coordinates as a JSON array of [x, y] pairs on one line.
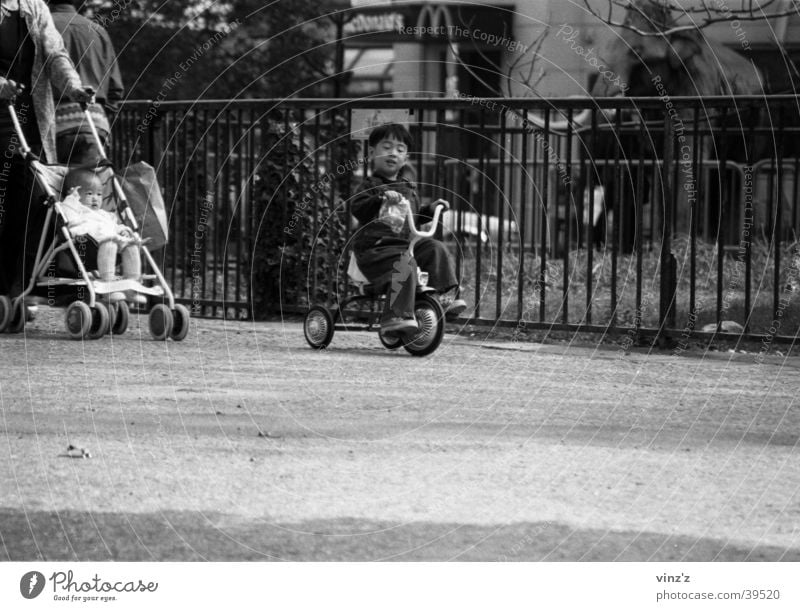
[[430, 318]]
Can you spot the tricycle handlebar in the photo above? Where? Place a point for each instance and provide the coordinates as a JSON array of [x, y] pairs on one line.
[[440, 205]]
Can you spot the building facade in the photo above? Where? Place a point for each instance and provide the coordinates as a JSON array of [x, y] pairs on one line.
[[539, 48]]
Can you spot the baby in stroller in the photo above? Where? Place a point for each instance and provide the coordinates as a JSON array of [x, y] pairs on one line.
[[85, 215]]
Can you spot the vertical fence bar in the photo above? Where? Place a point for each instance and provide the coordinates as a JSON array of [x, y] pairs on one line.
[[170, 187], [315, 208], [568, 208], [795, 196], [747, 218], [217, 147], [207, 188], [545, 218], [616, 216], [697, 171], [638, 209], [250, 212], [241, 148], [327, 197], [185, 203], [464, 192], [590, 225], [284, 271], [438, 169], [479, 215], [523, 198], [721, 203], [193, 207], [347, 193], [501, 169], [225, 207], [667, 263], [779, 207]]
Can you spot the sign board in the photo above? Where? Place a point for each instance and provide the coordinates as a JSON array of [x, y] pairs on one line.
[[364, 120], [388, 23]]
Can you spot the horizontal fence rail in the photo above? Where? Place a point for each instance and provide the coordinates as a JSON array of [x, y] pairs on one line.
[[641, 215]]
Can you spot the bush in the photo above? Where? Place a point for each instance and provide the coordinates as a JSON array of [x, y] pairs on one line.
[[300, 225]]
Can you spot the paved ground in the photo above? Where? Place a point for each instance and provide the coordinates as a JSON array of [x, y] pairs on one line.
[[243, 444]]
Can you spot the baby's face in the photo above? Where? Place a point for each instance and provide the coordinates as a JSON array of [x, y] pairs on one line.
[[91, 194]]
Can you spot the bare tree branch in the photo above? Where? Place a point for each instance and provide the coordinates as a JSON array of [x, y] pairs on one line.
[[767, 9], [527, 60]]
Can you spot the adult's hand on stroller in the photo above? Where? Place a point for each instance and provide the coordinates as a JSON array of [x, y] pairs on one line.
[[82, 95], [9, 89]]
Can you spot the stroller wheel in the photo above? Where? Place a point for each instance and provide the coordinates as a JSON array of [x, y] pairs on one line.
[[161, 322], [19, 316], [5, 313], [180, 327], [78, 320], [318, 327], [100, 321], [430, 317], [119, 316]]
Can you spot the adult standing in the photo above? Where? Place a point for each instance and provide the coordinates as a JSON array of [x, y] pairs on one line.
[[32, 55], [90, 48]]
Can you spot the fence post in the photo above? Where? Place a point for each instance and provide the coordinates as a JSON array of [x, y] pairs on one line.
[[668, 267], [153, 149], [153, 154]]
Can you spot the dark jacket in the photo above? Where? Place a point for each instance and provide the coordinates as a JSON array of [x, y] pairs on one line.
[[366, 205], [89, 46]]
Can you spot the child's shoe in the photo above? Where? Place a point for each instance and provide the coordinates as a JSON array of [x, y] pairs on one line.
[[395, 326], [452, 307]]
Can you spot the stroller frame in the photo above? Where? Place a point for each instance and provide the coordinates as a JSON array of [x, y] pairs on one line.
[[91, 317]]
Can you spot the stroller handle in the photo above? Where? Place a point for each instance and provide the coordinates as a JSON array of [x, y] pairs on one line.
[[24, 149], [85, 105]]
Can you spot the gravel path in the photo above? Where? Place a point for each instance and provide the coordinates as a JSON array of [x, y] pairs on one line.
[[242, 443]]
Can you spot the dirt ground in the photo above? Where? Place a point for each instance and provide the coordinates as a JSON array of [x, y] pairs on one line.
[[241, 443]]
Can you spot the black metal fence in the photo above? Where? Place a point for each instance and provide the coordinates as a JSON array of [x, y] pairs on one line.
[[648, 215]]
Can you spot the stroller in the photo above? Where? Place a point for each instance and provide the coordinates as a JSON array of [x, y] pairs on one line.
[[88, 314]]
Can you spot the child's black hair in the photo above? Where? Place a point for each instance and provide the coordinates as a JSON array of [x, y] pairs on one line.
[[79, 177], [391, 130]]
